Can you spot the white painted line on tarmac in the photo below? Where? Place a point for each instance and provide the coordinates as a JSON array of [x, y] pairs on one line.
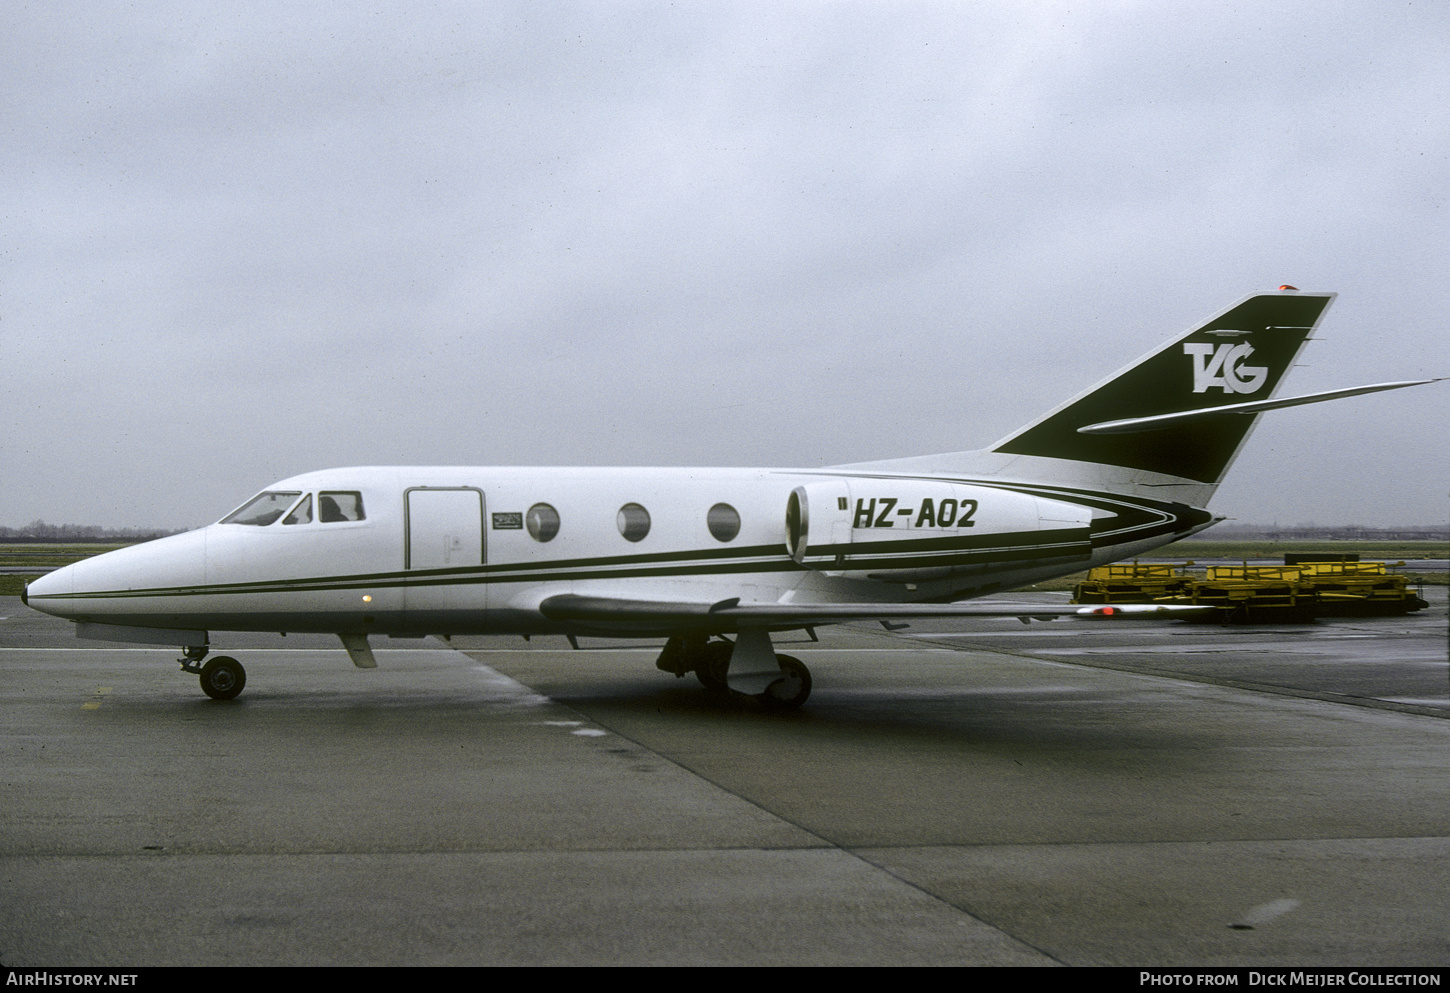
[[1014, 633], [109, 651], [792, 649], [479, 651], [248, 651]]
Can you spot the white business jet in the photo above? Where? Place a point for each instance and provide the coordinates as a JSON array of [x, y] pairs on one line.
[[715, 561]]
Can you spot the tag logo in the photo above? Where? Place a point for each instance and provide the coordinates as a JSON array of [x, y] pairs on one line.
[[1220, 367]]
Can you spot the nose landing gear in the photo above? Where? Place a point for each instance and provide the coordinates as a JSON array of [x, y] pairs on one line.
[[223, 678]]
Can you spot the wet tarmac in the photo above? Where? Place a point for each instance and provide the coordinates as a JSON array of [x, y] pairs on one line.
[[1064, 793]]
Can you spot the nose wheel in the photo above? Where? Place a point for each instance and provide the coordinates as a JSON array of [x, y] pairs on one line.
[[223, 678]]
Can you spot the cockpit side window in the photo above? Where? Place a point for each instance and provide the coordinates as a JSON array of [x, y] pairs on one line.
[[264, 508], [340, 505], [302, 513]]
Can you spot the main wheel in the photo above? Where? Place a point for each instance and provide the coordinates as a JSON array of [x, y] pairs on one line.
[[223, 678], [793, 687], [713, 664]]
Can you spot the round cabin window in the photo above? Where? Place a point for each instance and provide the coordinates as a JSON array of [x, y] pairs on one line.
[[723, 521], [633, 521], [542, 522]]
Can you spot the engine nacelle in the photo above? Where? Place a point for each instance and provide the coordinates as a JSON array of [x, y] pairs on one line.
[[816, 521], [907, 530]]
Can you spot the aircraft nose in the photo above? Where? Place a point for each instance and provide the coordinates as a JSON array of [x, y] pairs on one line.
[[122, 582], [45, 592]]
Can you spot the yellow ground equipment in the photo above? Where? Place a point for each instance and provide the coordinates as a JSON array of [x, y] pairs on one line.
[[1359, 589], [1293, 593], [1132, 582]]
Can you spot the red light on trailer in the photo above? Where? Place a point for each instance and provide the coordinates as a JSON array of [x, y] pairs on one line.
[[1286, 286]]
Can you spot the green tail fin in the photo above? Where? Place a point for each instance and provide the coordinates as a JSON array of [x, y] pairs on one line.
[[1240, 355]]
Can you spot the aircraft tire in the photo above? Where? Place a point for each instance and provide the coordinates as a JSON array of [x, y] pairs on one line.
[[790, 691], [713, 664], [223, 678]]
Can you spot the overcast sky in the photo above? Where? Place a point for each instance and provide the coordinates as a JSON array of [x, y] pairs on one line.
[[243, 243]]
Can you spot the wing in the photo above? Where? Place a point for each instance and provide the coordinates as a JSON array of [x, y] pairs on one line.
[[664, 617]]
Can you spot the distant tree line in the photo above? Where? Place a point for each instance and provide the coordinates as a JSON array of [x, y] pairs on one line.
[[38, 530], [1325, 532], [1351, 533]]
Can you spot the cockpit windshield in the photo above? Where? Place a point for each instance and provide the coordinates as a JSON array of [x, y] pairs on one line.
[[302, 513], [264, 508]]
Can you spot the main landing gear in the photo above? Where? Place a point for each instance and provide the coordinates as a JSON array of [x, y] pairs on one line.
[[223, 678], [746, 667]]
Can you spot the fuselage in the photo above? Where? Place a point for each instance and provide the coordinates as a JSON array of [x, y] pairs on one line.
[[453, 550]]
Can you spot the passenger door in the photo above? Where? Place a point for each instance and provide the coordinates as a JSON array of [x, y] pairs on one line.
[[445, 528]]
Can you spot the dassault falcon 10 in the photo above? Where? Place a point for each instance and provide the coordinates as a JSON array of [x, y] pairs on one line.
[[715, 561]]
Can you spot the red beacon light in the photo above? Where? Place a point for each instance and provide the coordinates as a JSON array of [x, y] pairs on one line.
[[1286, 288]]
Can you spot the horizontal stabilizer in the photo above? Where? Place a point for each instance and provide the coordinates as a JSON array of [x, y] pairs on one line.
[[1132, 425]]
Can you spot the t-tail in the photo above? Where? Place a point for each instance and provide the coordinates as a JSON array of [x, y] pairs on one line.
[[1170, 424], [1180, 410]]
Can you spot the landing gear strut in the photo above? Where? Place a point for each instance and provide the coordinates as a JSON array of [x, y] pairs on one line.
[[711, 662]]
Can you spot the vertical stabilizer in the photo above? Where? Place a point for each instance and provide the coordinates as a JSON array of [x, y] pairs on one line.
[[1240, 355]]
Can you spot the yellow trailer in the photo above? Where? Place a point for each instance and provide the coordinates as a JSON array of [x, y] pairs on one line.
[[1293, 593], [1359, 589]]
